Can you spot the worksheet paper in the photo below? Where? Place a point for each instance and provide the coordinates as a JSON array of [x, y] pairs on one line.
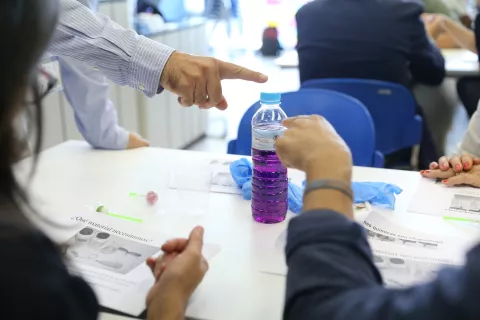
[[433, 198], [403, 256], [110, 255]]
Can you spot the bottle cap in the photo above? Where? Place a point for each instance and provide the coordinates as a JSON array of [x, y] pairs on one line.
[[270, 97]]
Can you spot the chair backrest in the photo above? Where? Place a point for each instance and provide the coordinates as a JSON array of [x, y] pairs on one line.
[[347, 115], [391, 106]]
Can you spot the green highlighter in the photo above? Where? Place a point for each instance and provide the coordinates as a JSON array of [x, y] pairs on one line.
[[103, 209], [460, 219]]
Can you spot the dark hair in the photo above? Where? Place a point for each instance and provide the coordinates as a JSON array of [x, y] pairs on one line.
[[26, 27]]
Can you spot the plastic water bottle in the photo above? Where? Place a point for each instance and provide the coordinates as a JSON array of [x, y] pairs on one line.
[[269, 181]]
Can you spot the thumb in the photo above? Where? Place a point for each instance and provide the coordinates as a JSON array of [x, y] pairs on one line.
[[195, 240], [232, 71]]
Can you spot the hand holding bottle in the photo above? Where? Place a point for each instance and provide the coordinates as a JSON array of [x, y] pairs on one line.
[[311, 144]]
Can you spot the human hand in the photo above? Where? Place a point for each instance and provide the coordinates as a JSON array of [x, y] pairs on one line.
[[433, 24], [135, 141], [455, 171], [170, 249], [445, 41], [311, 144], [196, 80], [182, 273]]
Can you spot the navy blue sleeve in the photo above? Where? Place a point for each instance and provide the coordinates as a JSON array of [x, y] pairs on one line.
[[332, 276], [427, 64]]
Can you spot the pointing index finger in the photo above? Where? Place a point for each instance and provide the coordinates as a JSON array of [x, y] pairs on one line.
[[232, 71]]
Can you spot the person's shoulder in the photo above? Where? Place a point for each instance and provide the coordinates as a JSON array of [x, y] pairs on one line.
[[312, 7]]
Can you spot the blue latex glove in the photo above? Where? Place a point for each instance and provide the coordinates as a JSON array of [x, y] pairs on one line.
[[295, 198], [377, 193], [241, 171]]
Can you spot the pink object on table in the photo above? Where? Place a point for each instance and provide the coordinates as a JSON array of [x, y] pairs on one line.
[[152, 197]]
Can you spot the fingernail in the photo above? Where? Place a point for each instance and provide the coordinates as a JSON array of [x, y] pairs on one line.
[[263, 77], [444, 165], [421, 172], [466, 165], [457, 167], [445, 181], [427, 171]]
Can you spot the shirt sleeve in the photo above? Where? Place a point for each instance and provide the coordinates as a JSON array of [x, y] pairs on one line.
[[332, 276], [122, 55], [95, 115], [36, 283]]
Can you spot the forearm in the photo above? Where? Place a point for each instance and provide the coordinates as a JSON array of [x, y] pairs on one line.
[[463, 37], [122, 55]]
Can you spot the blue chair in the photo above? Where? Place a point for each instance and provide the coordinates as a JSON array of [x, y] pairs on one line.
[[347, 115], [392, 107]]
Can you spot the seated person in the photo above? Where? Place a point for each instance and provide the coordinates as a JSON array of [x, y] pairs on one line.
[[380, 40], [468, 88], [369, 39], [331, 273]]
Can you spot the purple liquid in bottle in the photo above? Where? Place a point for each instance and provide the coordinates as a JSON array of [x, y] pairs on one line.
[[269, 180]]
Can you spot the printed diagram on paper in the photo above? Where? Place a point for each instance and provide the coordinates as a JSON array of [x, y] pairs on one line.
[[433, 198], [405, 257], [104, 250], [110, 255]]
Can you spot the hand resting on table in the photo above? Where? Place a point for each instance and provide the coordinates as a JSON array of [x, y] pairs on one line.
[[456, 170]]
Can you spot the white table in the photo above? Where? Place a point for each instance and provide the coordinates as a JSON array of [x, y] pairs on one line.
[[458, 62], [72, 175]]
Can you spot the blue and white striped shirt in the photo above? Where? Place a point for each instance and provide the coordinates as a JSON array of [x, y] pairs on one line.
[[121, 55]]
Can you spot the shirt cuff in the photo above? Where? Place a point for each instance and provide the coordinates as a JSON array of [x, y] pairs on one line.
[[147, 65]]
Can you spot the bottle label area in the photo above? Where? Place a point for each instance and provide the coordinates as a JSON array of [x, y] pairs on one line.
[[265, 139]]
